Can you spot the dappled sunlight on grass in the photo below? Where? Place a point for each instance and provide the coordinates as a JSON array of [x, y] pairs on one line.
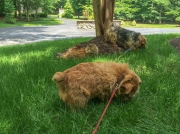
[[25, 57]]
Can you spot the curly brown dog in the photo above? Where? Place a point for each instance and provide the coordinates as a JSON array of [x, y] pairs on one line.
[[122, 37], [86, 81], [79, 51]]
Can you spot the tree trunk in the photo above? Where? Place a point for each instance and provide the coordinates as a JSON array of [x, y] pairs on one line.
[[19, 9], [98, 17], [103, 15], [160, 15], [27, 10], [109, 11]]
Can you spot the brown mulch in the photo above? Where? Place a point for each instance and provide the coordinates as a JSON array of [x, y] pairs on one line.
[[103, 46], [175, 43]]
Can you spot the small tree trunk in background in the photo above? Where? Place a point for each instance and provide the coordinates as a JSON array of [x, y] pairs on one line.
[[19, 9], [27, 10]]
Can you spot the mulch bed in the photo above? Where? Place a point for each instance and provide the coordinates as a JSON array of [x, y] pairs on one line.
[[175, 43], [105, 47]]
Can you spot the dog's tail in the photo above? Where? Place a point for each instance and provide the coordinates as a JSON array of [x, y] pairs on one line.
[[58, 77]]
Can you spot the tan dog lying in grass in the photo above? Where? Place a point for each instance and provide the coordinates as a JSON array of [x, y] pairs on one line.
[[79, 51], [86, 81], [125, 38]]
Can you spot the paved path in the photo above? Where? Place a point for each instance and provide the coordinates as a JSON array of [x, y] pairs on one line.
[[21, 35]]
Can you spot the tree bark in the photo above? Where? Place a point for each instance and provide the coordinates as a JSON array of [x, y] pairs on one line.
[[19, 9], [109, 11], [27, 10], [97, 17], [103, 15]]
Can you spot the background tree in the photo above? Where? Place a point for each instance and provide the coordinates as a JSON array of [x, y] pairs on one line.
[[2, 8], [161, 8], [19, 9], [36, 4], [48, 6], [68, 10], [125, 10], [173, 10], [77, 6], [9, 9], [59, 4]]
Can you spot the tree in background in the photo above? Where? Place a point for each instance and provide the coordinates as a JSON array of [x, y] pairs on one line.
[[9, 9], [36, 4], [88, 12], [2, 8], [48, 6], [68, 10], [59, 4], [103, 15], [161, 7], [173, 10], [125, 10], [80, 5]]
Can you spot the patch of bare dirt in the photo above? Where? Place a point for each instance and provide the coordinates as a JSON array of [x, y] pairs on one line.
[[175, 43]]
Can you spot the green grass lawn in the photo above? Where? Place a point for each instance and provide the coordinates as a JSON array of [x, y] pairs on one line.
[[140, 25], [29, 101], [53, 20], [38, 22]]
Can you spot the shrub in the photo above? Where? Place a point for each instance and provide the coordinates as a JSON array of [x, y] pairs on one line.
[[9, 18], [68, 11], [133, 23], [9, 9], [88, 12], [178, 20], [122, 22], [42, 14]]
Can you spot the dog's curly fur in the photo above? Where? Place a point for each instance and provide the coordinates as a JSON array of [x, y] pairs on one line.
[[86, 81], [78, 51], [122, 37]]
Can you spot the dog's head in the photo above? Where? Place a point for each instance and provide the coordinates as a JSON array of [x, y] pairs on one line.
[[142, 41], [129, 86], [78, 51]]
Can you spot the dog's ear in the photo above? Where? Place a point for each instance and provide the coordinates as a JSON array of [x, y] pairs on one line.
[[77, 46], [126, 78], [58, 77], [142, 40]]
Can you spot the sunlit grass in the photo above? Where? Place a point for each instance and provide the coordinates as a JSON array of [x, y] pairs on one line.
[[30, 102], [140, 25], [37, 22]]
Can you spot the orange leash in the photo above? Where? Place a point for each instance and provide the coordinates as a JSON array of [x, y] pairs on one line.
[[112, 95], [105, 109]]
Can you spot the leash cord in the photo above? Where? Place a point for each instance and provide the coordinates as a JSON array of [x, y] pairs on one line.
[[126, 51], [100, 119]]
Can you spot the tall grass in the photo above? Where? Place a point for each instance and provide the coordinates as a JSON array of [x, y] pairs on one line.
[[29, 101]]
